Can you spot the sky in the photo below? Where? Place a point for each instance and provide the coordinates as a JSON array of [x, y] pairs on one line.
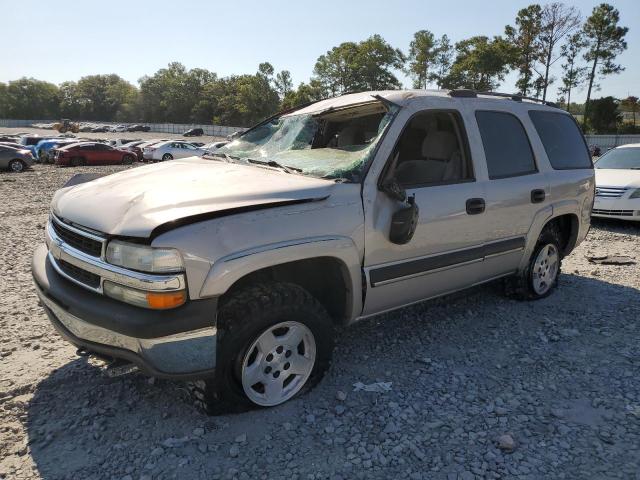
[[58, 41]]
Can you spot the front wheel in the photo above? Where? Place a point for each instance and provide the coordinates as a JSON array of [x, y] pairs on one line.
[[16, 166], [540, 277], [274, 342], [167, 156], [127, 160]]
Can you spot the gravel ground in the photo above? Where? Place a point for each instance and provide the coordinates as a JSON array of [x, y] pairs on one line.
[[109, 135], [480, 386]]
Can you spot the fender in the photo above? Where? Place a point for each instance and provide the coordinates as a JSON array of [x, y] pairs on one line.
[[231, 268], [539, 221]]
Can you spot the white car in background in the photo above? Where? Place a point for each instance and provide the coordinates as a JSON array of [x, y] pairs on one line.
[[618, 183], [171, 149]]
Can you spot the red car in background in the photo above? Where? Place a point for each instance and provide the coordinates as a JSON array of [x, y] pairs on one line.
[[90, 153]]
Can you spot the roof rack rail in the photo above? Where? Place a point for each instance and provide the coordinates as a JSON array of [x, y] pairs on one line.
[[466, 93]]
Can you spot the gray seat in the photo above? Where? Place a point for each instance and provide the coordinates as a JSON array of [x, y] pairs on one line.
[[441, 161]]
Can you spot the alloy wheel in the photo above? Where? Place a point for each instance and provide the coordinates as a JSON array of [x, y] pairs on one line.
[[545, 269], [278, 363]]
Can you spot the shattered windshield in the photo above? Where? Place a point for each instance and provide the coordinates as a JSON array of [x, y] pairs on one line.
[[334, 144]]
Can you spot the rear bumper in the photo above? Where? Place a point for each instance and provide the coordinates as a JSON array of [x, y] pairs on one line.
[[178, 343]]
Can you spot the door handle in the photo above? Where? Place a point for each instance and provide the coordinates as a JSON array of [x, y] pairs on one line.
[[537, 195], [475, 206]]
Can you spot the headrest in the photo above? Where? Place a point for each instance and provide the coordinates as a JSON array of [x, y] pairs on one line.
[[439, 145]]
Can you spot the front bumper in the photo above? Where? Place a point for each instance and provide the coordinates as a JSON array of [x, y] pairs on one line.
[[620, 208], [178, 343]]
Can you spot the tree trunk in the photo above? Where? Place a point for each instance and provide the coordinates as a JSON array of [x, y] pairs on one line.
[[569, 100], [591, 78], [546, 72]]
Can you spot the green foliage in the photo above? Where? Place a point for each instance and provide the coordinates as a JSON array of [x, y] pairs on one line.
[[306, 93], [28, 98], [573, 74], [442, 61], [353, 67], [283, 83], [524, 38], [422, 55], [603, 115], [605, 41], [481, 63]]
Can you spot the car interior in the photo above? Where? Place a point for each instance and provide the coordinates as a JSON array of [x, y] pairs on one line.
[[430, 151]]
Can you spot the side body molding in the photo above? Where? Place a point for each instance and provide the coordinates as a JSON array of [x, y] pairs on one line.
[[231, 268]]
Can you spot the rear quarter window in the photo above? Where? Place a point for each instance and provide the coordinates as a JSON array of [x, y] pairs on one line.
[[562, 140]]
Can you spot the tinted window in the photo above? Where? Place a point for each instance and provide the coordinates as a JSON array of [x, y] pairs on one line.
[[432, 151], [562, 140], [620, 158], [506, 145]]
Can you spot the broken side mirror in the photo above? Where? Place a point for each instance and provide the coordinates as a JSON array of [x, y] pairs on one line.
[[405, 220]]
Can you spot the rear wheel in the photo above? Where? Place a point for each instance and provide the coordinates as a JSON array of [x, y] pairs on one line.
[[274, 341], [127, 160], [167, 156], [17, 166], [540, 277]]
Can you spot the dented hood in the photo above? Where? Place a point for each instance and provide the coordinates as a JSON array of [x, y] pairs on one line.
[[135, 202]]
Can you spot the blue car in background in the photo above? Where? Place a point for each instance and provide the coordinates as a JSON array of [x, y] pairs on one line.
[[30, 141], [43, 147]]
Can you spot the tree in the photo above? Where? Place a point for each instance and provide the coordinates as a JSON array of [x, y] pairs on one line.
[[630, 104], [574, 75], [480, 63], [442, 61], [172, 93], [422, 55], [4, 101], [98, 97], [557, 21], [604, 116], [306, 93], [283, 83], [266, 69], [353, 67], [605, 41], [28, 98], [525, 38]]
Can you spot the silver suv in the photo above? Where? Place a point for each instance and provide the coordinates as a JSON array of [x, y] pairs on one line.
[[232, 269]]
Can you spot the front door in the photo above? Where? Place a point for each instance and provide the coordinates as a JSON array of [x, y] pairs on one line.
[[432, 161]]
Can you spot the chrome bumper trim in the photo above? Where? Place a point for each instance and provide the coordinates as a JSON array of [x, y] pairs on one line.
[[174, 354], [58, 250]]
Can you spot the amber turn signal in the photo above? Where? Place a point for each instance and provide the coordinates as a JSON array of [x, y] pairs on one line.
[[163, 301]]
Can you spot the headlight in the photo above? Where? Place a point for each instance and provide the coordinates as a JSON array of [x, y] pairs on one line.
[[636, 193], [155, 300], [144, 258]]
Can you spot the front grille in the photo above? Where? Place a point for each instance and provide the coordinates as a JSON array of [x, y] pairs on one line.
[[610, 192], [77, 241], [82, 276], [617, 213]]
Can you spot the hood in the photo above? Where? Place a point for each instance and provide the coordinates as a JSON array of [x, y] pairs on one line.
[[617, 177], [136, 201]]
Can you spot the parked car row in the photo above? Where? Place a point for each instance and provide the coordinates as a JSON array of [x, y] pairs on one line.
[[98, 127]]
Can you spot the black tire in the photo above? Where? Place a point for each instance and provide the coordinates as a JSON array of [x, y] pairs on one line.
[[17, 166], [77, 161], [241, 320], [520, 286], [167, 156], [127, 160]]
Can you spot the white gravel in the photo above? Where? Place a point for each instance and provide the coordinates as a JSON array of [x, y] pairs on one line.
[[481, 386]]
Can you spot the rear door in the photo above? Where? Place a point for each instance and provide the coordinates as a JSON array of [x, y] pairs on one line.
[[517, 189]]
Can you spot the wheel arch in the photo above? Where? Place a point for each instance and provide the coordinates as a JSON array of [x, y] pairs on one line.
[[329, 269]]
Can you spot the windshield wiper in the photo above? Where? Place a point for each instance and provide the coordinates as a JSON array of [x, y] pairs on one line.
[[273, 163]]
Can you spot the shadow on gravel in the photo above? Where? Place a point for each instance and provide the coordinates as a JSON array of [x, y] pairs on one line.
[[616, 226], [480, 346]]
